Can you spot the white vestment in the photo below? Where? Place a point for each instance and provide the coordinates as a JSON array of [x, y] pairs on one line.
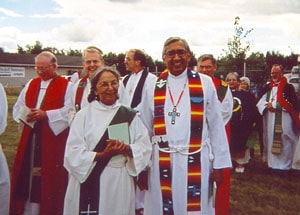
[[289, 135], [130, 88], [214, 154], [4, 172], [117, 192]]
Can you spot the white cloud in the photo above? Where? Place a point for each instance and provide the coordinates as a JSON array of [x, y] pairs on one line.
[[9, 13], [117, 25]]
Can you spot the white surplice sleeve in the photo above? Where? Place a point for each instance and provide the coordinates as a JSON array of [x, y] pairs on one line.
[[215, 126], [140, 145], [78, 159]]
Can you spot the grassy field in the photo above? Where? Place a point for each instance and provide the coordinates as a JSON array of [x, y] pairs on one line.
[[258, 191]]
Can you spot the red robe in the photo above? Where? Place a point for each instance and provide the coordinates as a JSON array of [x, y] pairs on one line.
[[53, 175], [222, 195]]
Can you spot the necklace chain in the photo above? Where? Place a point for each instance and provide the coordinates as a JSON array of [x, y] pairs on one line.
[[179, 98]]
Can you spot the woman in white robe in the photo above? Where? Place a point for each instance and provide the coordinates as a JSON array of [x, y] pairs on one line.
[[117, 192]]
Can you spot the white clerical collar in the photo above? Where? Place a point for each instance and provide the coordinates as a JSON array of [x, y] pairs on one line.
[[45, 84], [181, 77]]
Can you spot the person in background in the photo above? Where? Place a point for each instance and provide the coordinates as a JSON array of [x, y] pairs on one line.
[[279, 108], [108, 145], [241, 123], [245, 86], [4, 172], [207, 65], [190, 148], [92, 60], [136, 83], [39, 180]]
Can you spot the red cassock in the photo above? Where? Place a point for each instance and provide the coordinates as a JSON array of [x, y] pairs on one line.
[[53, 175]]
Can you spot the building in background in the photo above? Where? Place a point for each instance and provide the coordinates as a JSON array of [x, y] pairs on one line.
[[17, 69]]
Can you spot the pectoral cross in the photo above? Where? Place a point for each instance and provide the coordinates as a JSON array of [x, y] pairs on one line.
[[88, 211], [173, 114]]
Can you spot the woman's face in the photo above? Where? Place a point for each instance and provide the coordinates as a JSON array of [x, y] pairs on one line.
[[107, 88], [232, 82]]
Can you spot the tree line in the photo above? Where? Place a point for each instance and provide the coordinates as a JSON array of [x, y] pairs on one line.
[[236, 57]]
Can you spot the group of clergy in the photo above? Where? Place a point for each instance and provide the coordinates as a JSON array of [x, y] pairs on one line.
[[141, 144]]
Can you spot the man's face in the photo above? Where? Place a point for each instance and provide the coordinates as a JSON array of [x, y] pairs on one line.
[[92, 61], [129, 62], [176, 57], [206, 67], [276, 73], [44, 68]]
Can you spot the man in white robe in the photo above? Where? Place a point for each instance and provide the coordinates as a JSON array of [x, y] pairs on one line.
[[136, 84], [207, 65], [4, 172], [214, 151], [279, 97]]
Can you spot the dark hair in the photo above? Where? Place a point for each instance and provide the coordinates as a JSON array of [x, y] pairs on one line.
[[94, 80], [208, 57], [175, 39], [139, 55]]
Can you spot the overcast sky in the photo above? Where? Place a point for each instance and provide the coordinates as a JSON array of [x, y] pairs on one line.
[[118, 25]]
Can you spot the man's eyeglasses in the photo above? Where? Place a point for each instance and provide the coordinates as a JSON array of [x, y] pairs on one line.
[[42, 68], [179, 52]]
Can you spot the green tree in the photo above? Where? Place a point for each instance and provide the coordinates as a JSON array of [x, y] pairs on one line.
[[238, 47], [35, 49]]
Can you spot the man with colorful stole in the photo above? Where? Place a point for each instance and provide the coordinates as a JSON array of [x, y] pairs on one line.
[[190, 147], [39, 179], [207, 65], [281, 124]]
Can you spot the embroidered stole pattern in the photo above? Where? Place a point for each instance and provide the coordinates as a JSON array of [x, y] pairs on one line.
[[194, 165], [90, 189]]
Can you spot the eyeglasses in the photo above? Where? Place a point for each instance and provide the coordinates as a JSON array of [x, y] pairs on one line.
[[179, 52], [42, 68], [105, 85]]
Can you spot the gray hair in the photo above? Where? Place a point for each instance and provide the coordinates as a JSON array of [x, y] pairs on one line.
[[175, 39]]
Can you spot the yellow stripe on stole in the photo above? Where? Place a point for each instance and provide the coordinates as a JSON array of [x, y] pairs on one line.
[[166, 188], [197, 113], [194, 174], [159, 125]]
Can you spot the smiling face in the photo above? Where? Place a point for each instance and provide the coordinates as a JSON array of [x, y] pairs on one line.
[[276, 73], [107, 88], [176, 57], [92, 61], [232, 81], [44, 68]]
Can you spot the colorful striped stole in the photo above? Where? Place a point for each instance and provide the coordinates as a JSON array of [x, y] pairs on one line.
[[194, 165]]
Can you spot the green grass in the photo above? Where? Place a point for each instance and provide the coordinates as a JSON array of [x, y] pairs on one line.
[[256, 192]]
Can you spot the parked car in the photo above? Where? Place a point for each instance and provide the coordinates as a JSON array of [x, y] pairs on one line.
[[295, 81]]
